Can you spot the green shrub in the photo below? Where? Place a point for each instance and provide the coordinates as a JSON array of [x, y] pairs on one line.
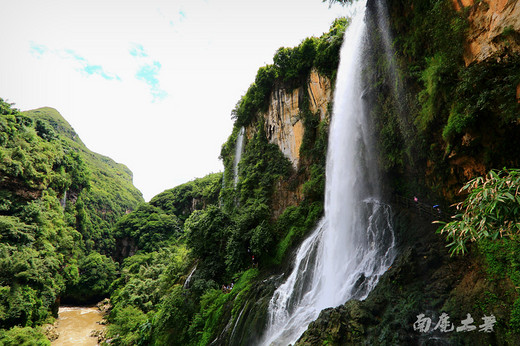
[[171, 324], [491, 210], [486, 92], [27, 336], [149, 227], [126, 325]]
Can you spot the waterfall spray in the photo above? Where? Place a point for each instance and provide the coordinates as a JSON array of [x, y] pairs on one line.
[[396, 82], [353, 245]]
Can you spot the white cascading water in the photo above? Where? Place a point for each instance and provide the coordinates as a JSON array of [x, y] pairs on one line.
[[238, 154], [188, 279], [353, 245]]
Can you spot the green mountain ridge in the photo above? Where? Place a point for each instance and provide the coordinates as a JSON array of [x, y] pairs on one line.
[[60, 125]]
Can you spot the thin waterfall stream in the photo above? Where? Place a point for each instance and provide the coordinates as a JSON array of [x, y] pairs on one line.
[[353, 245], [238, 155]]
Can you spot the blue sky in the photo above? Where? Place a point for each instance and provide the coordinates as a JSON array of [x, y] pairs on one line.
[[150, 83]]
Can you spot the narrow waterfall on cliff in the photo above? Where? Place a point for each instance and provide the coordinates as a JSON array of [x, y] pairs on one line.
[[238, 154], [353, 245]]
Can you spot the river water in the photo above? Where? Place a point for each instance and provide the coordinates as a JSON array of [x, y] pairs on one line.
[[75, 325]]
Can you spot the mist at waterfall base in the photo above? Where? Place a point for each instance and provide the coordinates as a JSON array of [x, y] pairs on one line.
[[353, 245]]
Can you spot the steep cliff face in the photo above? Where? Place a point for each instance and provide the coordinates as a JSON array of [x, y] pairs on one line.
[[494, 25], [493, 36], [283, 119], [284, 126]]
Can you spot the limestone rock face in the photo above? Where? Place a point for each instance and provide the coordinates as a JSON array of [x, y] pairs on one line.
[[493, 26], [283, 122], [320, 93]]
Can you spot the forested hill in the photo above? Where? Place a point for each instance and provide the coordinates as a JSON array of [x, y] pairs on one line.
[[110, 193], [59, 202]]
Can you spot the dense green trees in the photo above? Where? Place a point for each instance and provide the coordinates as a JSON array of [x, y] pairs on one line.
[[182, 200], [178, 226], [23, 336], [145, 293], [96, 274], [48, 223], [207, 233], [36, 242], [149, 227]]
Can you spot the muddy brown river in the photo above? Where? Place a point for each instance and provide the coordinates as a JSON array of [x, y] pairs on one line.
[[75, 325]]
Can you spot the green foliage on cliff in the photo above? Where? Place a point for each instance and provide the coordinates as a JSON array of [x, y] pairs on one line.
[[208, 323], [434, 114], [96, 274], [35, 240], [207, 232], [412, 103], [194, 195], [158, 223], [486, 93], [144, 295], [248, 204], [490, 210], [291, 67], [176, 228], [293, 225], [261, 165]]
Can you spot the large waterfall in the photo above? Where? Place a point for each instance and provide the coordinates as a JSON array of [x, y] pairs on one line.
[[353, 245]]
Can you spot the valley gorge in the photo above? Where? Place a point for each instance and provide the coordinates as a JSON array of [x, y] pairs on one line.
[[433, 102]]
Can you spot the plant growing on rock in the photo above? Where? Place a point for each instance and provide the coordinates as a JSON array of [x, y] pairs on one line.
[[491, 210]]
